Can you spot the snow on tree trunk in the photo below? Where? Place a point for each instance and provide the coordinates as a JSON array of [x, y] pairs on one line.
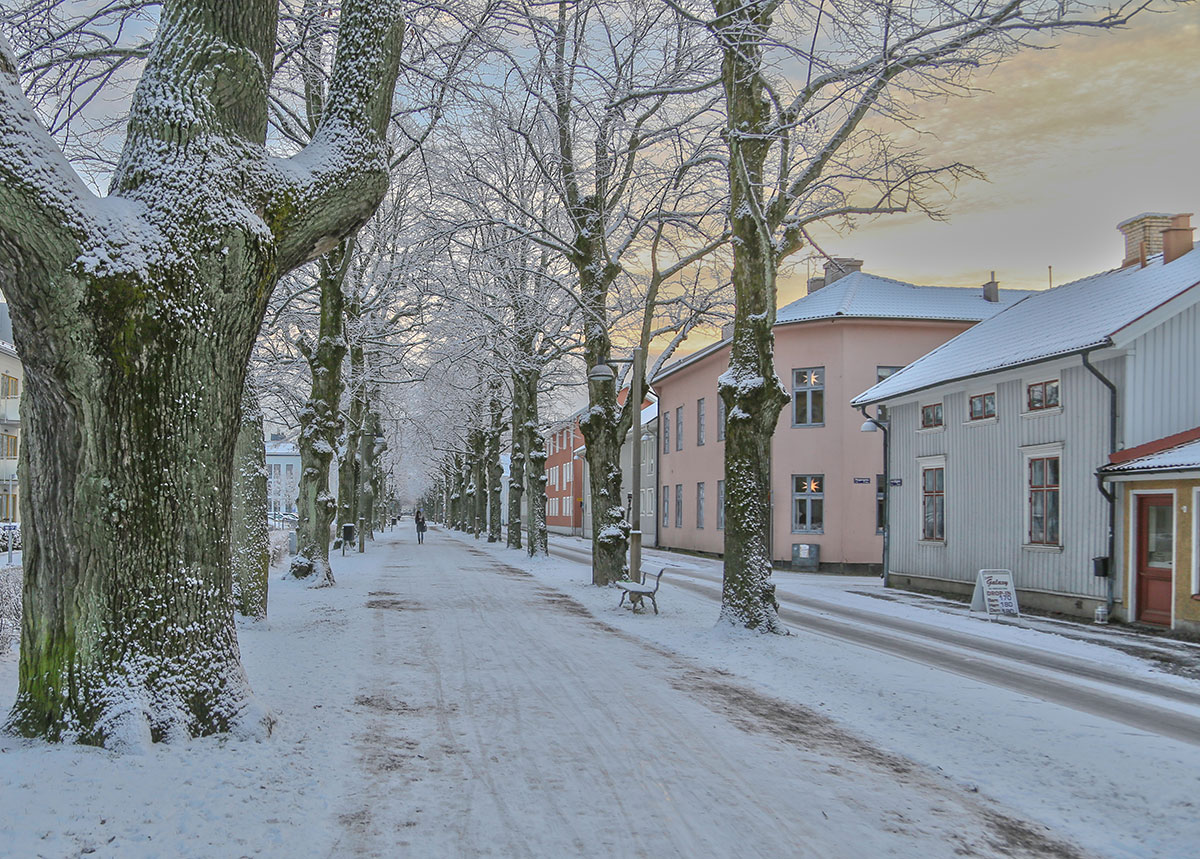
[[495, 469], [351, 465], [250, 551], [321, 425], [752, 392], [135, 315], [537, 540], [516, 469]]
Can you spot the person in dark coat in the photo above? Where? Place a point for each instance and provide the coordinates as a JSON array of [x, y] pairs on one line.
[[420, 517]]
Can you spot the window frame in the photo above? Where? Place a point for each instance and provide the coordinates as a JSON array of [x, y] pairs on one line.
[[1029, 455], [808, 496], [721, 505], [700, 505], [940, 405], [678, 505], [971, 398], [666, 506], [810, 392], [924, 464], [679, 427], [721, 410], [700, 422], [1030, 408], [665, 423], [880, 501]]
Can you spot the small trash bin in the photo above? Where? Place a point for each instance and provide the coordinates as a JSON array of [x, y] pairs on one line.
[[806, 557]]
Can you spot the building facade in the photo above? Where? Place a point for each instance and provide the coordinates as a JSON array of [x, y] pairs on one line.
[[11, 381], [565, 490], [851, 330], [997, 438]]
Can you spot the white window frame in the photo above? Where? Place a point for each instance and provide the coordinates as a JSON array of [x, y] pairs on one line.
[[1041, 451], [923, 463], [700, 422]]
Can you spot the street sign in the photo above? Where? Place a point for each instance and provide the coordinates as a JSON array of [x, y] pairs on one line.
[[896, 481], [862, 480], [994, 593]]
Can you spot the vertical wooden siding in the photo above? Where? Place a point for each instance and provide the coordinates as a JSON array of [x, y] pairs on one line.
[[1163, 395], [986, 490]]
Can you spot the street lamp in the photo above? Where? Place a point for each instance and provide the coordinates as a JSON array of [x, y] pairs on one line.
[[605, 373], [871, 425]]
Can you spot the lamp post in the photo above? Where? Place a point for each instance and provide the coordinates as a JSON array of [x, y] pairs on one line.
[[871, 425], [605, 373]]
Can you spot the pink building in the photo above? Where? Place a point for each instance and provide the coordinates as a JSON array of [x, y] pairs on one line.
[[852, 330]]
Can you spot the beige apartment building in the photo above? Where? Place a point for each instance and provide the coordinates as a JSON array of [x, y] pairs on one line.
[[850, 331]]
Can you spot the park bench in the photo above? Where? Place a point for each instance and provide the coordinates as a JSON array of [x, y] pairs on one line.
[[637, 591]]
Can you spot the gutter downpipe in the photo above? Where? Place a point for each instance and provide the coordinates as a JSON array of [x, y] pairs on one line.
[[1109, 495]]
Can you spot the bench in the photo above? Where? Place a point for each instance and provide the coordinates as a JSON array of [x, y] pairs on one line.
[[637, 591]]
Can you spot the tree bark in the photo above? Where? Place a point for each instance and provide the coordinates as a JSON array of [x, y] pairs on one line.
[[251, 551], [752, 392], [537, 540], [135, 316], [321, 424], [350, 468], [495, 470]]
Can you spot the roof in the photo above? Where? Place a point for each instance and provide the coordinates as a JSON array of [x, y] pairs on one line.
[[1066, 320], [870, 296], [1184, 457], [860, 295]]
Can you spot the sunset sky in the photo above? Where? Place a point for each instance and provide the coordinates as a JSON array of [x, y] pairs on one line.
[[1073, 141]]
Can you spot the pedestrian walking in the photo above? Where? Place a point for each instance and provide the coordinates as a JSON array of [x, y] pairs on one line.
[[420, 517]]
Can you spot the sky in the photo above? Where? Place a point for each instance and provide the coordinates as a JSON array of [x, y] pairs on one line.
[[1073, 141]]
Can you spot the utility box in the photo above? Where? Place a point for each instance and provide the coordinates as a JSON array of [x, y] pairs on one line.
[[806, 557], [1100, 568]]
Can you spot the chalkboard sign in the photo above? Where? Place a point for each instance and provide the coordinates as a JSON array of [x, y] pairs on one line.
[[995, 594]]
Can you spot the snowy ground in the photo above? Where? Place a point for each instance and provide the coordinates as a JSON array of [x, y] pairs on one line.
[[457, 699]]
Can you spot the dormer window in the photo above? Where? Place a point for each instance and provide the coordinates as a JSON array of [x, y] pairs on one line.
[[1042, 395], [983, 406]]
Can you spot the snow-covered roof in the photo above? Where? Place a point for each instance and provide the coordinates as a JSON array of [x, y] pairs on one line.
[[1184, 457], [870, 296], [860, 295], [282, 448], [1066, 320], [649, 413]]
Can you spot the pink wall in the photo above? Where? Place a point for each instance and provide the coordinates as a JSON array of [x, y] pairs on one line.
[[850, 350]]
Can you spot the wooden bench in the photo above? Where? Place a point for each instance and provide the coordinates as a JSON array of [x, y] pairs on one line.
[[637, 591]]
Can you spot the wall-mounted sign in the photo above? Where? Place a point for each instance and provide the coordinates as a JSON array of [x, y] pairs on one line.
[[896, 481], [862, 480]]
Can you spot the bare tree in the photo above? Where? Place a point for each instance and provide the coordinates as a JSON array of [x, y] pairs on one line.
[[135, 315]]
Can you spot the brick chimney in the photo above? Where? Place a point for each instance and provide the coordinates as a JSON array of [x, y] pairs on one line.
[[1177, 238], [815, 283], [1143, 236], [839, 267], [991, 290]]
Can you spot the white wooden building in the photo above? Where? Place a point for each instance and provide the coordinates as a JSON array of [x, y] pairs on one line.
[[996, 437]]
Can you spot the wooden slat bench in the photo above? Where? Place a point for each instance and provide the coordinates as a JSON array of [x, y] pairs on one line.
[[637, 591]]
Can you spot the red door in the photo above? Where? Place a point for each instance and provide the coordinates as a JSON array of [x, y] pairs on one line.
[[1155, 558]]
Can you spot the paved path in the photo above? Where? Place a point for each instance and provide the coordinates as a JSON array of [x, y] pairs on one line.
[[504, 720]]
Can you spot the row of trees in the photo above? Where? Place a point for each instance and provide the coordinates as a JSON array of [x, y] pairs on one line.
[[591, 175]]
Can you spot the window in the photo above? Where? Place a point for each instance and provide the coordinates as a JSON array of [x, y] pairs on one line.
[[880, 504], [808, 396], [1042, 395], [720, 505], [983, 406], [679, 428], [648, 503], [678, 505], [666, 431], [720, 418], [666, 506], [1043, 501], [931, 416], [933, 503], [700, 422], [700, 505], [8, 446], [882, 373], [10, 386], [648, 456], [808, 503]]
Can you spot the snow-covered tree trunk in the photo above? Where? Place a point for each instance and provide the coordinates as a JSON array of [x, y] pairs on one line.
[[537, 540], [350, 466], [135, 315], [752, 392], [495, 470], [516, 468], [479, 499], [250, 551], [321, 424]]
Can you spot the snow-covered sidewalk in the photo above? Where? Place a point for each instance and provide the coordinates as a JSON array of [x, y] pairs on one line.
[[458, 699]]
